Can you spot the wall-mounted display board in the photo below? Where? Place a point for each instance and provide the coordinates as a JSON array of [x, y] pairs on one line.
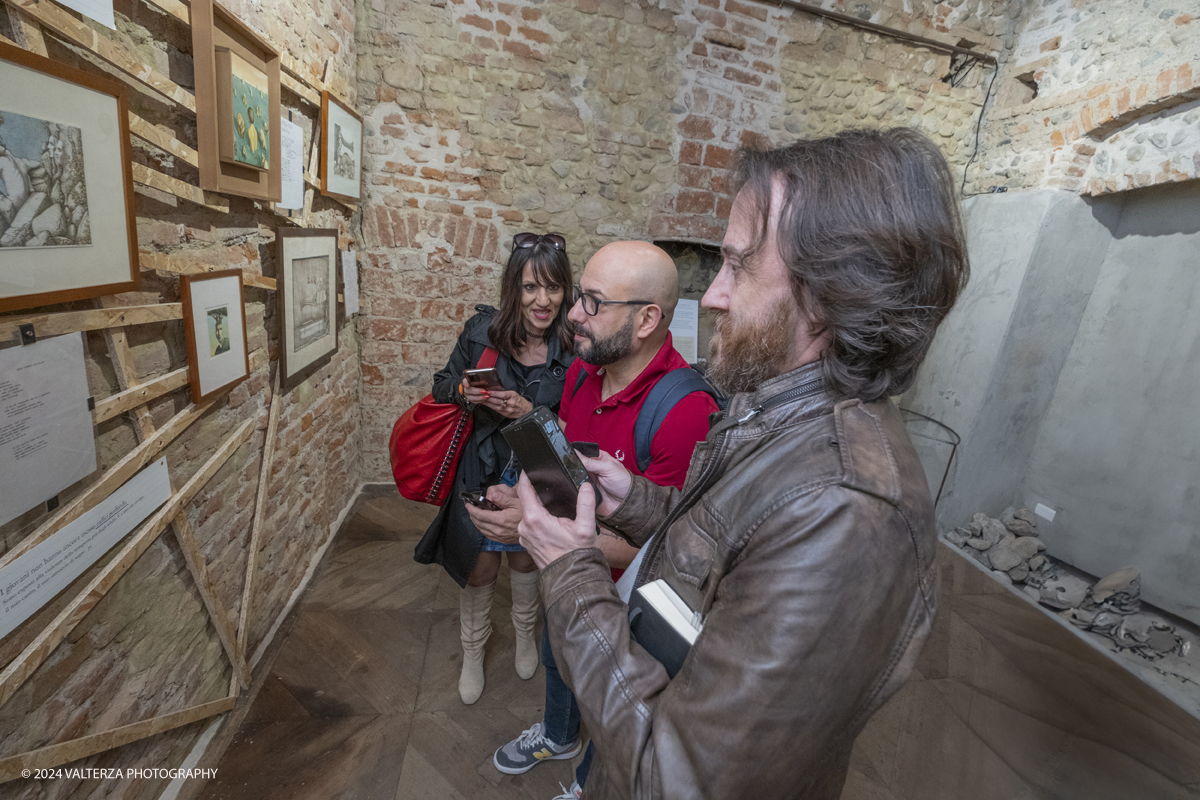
[[237, 105], [46, 437], [67, 225], [341, 150], [214, 320], [32, 579], [306, 280]]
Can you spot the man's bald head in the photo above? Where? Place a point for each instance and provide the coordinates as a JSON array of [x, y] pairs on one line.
[[637, 271]]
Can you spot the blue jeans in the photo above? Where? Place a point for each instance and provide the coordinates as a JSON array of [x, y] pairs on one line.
[[561, 718]]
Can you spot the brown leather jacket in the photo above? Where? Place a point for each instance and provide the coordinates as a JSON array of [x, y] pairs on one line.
[[813, 557]]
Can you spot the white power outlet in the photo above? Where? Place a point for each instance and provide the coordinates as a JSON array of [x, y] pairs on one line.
[[1045, 512]]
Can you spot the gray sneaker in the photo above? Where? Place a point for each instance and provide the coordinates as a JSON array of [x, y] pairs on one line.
[[529, 749]]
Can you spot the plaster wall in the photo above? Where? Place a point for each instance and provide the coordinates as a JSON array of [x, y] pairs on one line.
[[1118, 452], [1068, 368]]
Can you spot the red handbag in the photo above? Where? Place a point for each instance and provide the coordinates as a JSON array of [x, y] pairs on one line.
[[427, 442]]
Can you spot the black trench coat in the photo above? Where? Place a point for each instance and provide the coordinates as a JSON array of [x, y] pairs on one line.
[[453, 540]]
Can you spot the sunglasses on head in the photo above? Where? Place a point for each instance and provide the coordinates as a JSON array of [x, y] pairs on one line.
[[527, 239]]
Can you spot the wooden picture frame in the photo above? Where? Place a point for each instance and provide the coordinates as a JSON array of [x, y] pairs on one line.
[[216, 362], [68, 141], [341, 139], [220, 43], [306, 288]]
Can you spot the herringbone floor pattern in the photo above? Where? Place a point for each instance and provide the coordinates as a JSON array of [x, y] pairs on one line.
[[362, 701]]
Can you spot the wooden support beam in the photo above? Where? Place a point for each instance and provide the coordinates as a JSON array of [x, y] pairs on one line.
[[28, 32], [260, 504], [138, 395], [157, 137], [65, 752], [120, 472], [310, 96], [62, 23], [185, 264], [92, 320], [184, 191], [122, 357], [23, 666], [186, 536], [174, 8]]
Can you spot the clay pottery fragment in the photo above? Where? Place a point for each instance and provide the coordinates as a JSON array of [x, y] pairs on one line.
[[1123, 580]]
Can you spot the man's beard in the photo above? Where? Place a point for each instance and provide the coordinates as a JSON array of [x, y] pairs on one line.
[[610, 349], [746, 353]]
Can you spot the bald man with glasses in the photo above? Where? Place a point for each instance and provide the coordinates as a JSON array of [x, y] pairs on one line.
[[622, 310]]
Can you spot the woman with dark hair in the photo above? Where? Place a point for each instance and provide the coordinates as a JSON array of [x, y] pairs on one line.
[[533, 339]]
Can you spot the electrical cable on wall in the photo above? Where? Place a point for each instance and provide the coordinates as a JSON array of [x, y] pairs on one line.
[[978, 125]]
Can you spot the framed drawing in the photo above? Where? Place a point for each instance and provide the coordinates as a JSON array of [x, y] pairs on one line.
[[306, 281], [214, 320], [67, 225], [341, 150], [237, 105]]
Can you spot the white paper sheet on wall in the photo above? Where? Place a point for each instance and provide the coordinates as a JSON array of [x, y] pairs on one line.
[[350, 281], [46, 438], [35, 577], [291, 164], [99, 10], [685, 328]]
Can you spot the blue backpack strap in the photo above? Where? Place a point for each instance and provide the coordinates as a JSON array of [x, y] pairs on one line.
[[579, 382], [670, 389]]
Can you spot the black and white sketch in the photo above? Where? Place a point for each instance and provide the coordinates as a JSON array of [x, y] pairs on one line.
[[345, 165], [218, 330], [43, 194], [310, 299]]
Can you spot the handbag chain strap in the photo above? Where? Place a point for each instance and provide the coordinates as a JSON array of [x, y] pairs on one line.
[[488, 359], [451, 456]]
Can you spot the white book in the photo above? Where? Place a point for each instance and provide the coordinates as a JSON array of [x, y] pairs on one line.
[[672, 609]]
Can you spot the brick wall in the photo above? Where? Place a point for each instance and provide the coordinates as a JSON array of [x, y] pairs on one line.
[[600, 119], [148, 648], [1118, 85]]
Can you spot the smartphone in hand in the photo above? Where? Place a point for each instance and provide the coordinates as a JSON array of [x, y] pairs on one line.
[[589, 449], [487, 379], [478, 498]]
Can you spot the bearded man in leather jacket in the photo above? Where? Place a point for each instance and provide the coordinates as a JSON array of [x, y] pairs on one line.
[[804, 534]]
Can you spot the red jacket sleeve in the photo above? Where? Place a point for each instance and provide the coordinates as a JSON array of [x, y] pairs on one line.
[[684, 427]]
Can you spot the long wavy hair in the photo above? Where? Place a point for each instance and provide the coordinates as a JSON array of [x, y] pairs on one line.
[[871, 235], [551, 267]]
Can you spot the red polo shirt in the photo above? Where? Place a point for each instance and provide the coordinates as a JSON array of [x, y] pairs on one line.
[[610, 423]]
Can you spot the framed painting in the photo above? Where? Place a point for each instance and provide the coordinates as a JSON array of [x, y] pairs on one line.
[[214, 320], [237, 105], [67, 224], [341, 150], [306, 288]]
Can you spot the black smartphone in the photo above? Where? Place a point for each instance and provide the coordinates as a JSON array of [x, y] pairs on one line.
[[546, 456], [487, 379], [589, 449], [478, 498]]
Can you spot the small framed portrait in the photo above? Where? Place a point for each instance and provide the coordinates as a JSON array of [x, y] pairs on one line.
[[67, 224], [341, 150], [306, 287], [214, 319]]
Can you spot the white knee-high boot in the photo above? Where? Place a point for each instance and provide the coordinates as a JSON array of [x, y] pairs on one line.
[[524, 617], [474, 608]]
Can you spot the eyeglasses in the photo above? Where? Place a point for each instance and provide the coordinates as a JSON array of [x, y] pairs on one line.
[[591, 304], [527, 239]]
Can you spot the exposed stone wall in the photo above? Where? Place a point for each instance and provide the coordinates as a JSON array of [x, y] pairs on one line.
[[148, 648], [603, 120], [1117, 84]]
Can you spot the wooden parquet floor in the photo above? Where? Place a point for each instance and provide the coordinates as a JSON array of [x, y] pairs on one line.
[[362, 701]]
